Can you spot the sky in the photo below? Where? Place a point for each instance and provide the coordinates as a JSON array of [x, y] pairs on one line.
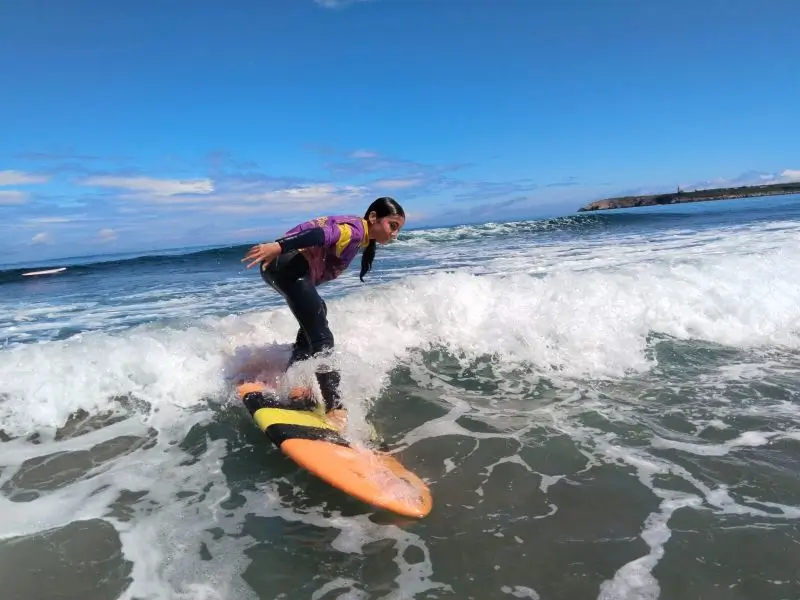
[[139, 125]]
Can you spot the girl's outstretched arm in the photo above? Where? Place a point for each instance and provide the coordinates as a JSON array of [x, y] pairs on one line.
[[269, 251]]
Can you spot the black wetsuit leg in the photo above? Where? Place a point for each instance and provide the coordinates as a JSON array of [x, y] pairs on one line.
[[290, 277], [301, 349]]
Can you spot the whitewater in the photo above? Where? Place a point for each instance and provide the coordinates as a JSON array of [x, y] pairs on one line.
[[604, 406]]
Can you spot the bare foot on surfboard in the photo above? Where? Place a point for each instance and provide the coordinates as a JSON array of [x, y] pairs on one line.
[[337, 418], [300, 393]]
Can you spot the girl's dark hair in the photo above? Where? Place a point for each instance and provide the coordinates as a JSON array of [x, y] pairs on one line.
[[383, 207]]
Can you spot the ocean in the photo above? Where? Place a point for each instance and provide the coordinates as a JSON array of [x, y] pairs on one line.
[[604, 405]]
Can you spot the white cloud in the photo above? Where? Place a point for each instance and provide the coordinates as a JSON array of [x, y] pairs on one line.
[[363, 154], [152, 186], [336, 3], [42, 238], [8, 197], [107, 235], [48, 220], [318, 197], [397, 184], [785, 176], [21, 178], [747, 178], [415, 216], [312, 193]]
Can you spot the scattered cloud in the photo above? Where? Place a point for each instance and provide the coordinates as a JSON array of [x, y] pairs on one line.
[[221, 198], [336, 3], [21, 178], [475, 191], [250, 193], [56, 161], [415, 216], [460, 195], [42, 238], [151, 185], [107, 235], [312, 193], [316, 197], [397, 184], [219, 160], [65, 153], [359, 162], [48, 220], [11, 197], [566, 182], [752, 177], [363, 154]]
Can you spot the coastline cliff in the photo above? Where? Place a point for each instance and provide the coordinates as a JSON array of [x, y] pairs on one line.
[[679, 197]]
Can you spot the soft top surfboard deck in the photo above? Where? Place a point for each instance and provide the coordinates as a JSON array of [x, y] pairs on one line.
[[304, 435]]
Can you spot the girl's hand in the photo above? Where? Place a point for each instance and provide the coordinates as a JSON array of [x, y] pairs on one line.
[[265, 253]]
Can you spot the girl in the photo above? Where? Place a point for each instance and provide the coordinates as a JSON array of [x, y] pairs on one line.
[[315, 252]]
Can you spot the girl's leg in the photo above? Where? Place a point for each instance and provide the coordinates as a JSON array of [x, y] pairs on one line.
[[291, 279], [286, 268], [310, 311], [301, 349]]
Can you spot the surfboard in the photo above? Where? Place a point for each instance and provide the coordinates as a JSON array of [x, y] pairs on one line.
[[302, 433]]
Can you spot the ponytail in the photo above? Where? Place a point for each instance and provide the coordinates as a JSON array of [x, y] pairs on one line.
[[383, 207], [366, 259]]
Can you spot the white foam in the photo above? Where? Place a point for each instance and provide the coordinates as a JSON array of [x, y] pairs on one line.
[[520, 591], [589, 317], [350, 593], [568, 310], [581, 310], [747, 439], [635, 580], [163, 533], [355, 532], [165, 555], [567, 320]]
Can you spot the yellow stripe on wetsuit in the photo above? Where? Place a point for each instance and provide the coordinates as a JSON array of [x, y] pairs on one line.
[[345, 234], [266, 417]]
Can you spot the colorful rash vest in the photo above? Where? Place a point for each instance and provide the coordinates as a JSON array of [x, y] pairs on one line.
[[344, 237]]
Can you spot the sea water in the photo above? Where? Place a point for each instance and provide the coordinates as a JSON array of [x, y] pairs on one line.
[[604, 405]]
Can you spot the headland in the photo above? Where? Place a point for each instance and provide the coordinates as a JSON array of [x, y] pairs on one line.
[[680, 196]]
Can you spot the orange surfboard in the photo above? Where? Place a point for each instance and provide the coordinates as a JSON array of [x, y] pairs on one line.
[[304, 435]]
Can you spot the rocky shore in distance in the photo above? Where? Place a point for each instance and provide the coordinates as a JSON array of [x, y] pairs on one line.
[[679, 197]]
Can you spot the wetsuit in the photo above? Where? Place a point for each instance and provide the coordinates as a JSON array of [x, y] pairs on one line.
[[312, 253]]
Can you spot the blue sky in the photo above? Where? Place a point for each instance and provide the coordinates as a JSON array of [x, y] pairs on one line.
[[134, 125]]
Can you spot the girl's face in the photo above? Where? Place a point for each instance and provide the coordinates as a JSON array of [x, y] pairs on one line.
[[386, 229]]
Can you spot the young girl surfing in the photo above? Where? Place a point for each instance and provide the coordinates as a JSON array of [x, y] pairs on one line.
[[310, 254]]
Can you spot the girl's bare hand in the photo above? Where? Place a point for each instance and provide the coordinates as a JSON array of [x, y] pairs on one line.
[[265, 253]]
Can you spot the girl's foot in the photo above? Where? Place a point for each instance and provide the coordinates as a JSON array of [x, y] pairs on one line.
[[337, 418], [300, 393]]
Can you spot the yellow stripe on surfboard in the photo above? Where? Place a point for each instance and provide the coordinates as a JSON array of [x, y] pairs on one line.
[[266, 417]]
